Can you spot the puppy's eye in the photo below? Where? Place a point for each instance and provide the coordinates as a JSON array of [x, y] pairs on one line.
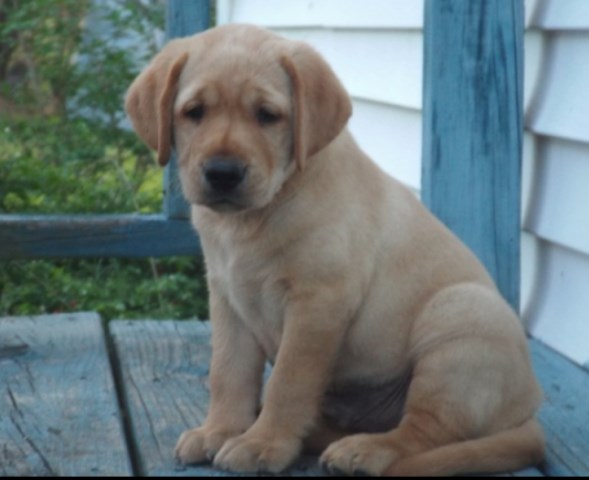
[[266, 117], [196, 113]]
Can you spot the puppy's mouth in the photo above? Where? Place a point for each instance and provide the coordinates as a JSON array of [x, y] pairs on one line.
[[224, 203], [236, 202]]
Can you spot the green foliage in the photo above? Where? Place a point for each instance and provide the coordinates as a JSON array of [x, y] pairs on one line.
[[43, 35], [51, 166], [62, 150], [116, 288], [62, 145]]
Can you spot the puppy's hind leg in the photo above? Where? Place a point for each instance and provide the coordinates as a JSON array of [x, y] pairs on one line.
[[385, 454], [373, 454], [471, 388], [504, 451]]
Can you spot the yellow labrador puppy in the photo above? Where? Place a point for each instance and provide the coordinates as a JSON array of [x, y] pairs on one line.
[[393, 351]]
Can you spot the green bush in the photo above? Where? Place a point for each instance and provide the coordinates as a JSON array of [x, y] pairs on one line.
[[115, 288], [62, 150], [48, 165]]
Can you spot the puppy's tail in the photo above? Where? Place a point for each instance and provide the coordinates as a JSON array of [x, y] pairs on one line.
[[504, 451]]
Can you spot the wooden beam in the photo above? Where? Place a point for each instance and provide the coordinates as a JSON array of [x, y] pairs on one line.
[[183, 18], [473, 128], [60, 236]]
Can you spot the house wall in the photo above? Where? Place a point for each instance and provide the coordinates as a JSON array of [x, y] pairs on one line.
[[375, 47], [556, 214]]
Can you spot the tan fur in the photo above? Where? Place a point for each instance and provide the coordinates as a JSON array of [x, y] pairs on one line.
[[333, 271]]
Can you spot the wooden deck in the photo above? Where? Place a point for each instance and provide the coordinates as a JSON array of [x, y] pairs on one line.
[[81, 399]]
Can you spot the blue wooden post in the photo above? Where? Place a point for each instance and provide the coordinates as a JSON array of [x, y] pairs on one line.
[[183, 18], [473, 128]]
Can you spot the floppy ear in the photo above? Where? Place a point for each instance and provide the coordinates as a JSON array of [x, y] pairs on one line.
[[321, 104], [151, 96]]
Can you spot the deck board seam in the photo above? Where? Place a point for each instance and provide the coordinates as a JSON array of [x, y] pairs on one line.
[[119, 385]]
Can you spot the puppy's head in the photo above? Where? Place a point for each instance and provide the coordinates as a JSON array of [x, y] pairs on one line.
[[244, 109]]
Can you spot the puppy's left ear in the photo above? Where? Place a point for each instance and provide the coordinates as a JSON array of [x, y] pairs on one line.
[[150, 98], [322, 106]]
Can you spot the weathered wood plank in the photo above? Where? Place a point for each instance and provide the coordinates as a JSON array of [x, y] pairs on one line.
[[58, 236], [527, 472], [164, 368], [565, 412], [58, 388], [183, 18], [473, 127], [59, 414]]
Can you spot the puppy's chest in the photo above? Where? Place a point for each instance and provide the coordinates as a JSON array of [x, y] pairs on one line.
[[255, 293]]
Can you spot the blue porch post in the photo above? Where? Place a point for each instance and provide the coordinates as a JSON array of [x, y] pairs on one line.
[[473, 128], [183, 18]]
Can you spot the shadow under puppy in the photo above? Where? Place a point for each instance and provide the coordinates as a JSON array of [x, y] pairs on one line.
[[393, 351]]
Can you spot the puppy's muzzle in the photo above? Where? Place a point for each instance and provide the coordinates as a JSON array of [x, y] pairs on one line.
[[223, 176]]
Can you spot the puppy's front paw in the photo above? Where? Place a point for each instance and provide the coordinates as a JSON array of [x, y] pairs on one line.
[[358, 454], [201, 444], [250, 453]]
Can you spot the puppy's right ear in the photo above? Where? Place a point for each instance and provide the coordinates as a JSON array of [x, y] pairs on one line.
[[150, 98]]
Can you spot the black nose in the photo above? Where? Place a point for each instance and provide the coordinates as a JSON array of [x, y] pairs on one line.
[[224, 174]]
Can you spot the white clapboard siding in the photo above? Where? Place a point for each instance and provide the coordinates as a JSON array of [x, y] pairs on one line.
[[528, 175], [323, 13], [381, 66], [529, 242], [555, 255], [530, 253], [560, 212], [559, 14], [391, 135], [561, 303], [375, 47], [534, 54], [561, 102]]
